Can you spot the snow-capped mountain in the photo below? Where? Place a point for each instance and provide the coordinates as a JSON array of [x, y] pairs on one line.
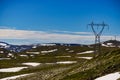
[[19, 48], [60, 44], [111, 43], [4, 45], [14, 48], [55, 44]]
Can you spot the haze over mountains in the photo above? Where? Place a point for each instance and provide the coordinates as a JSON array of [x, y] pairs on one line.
[[19, 48]]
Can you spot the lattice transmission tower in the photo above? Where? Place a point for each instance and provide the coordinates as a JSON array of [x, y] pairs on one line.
[[97, 33]]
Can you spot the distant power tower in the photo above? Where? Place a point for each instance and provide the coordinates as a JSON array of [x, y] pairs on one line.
[[100, 27], [115, 37]]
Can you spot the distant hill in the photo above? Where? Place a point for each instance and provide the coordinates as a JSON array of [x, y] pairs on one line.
[[14, 48], [19, 48], [66, 44], [111, 43], [4, 45]]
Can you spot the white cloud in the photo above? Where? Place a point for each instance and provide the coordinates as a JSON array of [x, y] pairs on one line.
[[48, 36], [70, 32]]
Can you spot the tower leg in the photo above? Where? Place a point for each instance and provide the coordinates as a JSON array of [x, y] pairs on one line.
[[97, 46]]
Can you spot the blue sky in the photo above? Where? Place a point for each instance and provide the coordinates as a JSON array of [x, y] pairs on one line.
[[57, 17]]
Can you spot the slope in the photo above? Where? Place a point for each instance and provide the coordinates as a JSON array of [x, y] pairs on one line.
[[99, 66], [109, 62]]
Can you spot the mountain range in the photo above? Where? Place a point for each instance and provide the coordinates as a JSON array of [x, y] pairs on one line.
[[19, 48]]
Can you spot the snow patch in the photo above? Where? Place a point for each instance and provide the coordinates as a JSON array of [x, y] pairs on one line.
[[14, 77], [32, 52], [108, 45], [34, 46], [49, 51], [1, 51], [4, 45], [24, 55], [86, 52], [63, 56], [47, 44], [10, 55], [112, 76], [66, 62], [15, 69], [85, 57], [67, 49], [34, 64], [32, 55]]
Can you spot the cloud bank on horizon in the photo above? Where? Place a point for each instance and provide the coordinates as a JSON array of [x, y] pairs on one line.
[[15, 36]]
